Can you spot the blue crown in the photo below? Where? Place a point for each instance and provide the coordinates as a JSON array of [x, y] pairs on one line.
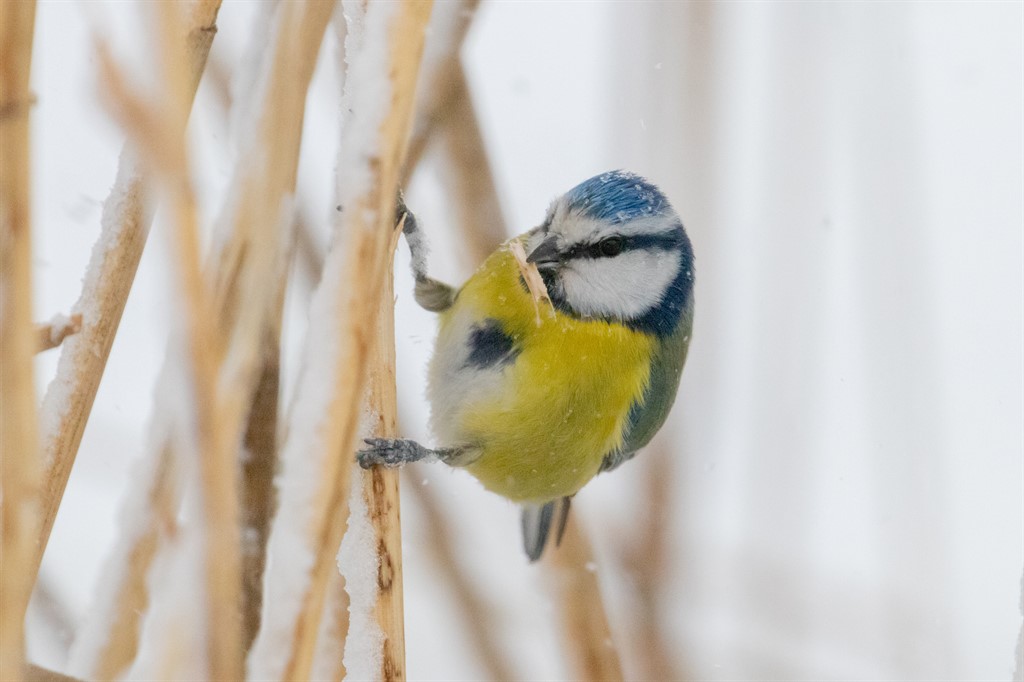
[[617, 197]]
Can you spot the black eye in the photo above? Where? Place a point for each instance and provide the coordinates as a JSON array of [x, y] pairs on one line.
[[612, 246]]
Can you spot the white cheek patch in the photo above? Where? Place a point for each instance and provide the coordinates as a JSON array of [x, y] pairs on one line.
[[625, 287]]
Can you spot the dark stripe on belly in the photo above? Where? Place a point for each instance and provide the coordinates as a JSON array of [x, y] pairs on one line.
[[489, 345]]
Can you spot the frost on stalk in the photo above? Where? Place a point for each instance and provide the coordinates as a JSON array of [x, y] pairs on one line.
[[125, 209], [172, 632], [176, 573], [250, 84], [291, 551], [330, 640], [367, 96], [135, 519], [359, 564]]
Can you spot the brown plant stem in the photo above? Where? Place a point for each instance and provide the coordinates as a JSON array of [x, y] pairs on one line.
[[127, 214], [345, 307], [329, 659], [50, 335], [19, 458], [247, 291], [209, 433], [380, 485], [110, 656], [264, 180], [258, 493], [158, 132]]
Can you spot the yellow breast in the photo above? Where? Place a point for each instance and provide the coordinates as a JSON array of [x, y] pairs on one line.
[[547, 421]]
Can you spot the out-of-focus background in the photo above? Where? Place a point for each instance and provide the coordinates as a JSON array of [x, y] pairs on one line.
[[845, 461]]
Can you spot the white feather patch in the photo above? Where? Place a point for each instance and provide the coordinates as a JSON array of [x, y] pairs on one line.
[[623, 287]]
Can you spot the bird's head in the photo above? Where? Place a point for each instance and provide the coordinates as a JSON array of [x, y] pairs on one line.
[[613, 248]]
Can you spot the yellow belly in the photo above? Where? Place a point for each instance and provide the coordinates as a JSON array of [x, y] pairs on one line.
[[555, 412]]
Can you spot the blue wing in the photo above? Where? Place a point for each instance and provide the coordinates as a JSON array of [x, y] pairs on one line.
[[649, 413]]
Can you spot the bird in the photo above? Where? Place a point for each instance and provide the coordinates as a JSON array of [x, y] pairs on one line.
[[536, 405]]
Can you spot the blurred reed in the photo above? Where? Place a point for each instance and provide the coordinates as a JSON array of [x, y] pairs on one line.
[[224, 446], [19, 464], [127, 214]]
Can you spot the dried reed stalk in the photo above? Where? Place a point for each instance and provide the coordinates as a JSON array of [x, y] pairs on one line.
[[258, 494], [159, 133], [265, 179], [107, 654], [19, 460], [344, 309], [586, 635], [380, 485], [445, 110], [329, 659], [249, 323], [127, 215], [51, 334]]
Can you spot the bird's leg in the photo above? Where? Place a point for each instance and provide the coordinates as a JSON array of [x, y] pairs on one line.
[[431, 294], [392, 453]]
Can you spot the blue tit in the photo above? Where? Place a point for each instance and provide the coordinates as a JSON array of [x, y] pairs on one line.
[[536, 406]]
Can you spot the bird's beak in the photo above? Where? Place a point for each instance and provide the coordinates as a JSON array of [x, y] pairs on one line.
[[546, 255]]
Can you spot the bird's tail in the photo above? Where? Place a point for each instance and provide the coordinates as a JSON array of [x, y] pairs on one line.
[[537, 520]]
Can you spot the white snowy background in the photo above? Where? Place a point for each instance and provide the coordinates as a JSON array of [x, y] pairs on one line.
[[849, 493]]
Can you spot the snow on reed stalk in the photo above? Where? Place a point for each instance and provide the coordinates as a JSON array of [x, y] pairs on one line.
[[210, 562], [329, 657], [127, 215], [106, 643], [261, 189], [246, 302], [317, 457], [19, 461], [380, 485], [51, 334], [211, 540]]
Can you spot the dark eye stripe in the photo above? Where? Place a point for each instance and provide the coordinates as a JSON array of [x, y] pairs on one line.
[[665, 241]]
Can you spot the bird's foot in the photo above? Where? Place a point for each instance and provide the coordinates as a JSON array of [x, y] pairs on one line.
[[390, 453], [402, 211]]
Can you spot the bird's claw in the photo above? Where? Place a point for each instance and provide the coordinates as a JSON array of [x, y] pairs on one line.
[[402, 211], [384, 452]]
